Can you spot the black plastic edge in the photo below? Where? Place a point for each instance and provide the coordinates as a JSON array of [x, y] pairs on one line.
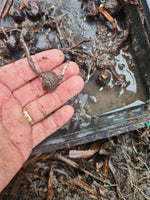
[[146, 12]]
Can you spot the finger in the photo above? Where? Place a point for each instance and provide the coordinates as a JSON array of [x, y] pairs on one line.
[[51, 101], [43, 129], [16, 74], [33, 89]]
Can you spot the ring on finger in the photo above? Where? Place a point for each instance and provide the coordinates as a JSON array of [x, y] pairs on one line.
[[28, 117]]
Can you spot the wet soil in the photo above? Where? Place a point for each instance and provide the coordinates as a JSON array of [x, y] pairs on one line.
[[47, 176], [62, 25]]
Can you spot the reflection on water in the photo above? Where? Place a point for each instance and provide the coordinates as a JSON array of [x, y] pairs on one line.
[[113, 96], [123, 59]]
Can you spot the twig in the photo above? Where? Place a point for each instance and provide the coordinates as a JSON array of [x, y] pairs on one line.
[[147, 168], [2, 7], [85, 52], [56, 22], [81, 191], [112, 169], [76, 45], [50, 184], [10, 29], [146, 132], [115, 75], [75, 165], [77, 181], [30, 61], [10, 2], [82, 153], [61, 172], [4, 32], [25, 3], [144, 195]]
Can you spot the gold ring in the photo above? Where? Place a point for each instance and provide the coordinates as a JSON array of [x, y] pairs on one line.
[[28, 117]]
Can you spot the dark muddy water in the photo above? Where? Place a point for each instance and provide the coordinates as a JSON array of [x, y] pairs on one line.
[[113, 97]]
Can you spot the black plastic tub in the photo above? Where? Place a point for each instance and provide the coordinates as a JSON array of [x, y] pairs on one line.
[[130, 117]]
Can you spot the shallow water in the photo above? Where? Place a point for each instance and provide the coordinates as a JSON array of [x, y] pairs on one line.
[[112, 96]]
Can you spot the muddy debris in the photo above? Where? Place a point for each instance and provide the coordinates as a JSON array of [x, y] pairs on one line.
[[39, 18], [51, 25], [113, 168], [116, 168]]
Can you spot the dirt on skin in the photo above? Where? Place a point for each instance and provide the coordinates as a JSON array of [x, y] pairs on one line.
[[84, 37]]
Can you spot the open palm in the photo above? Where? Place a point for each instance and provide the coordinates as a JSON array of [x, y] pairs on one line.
[[20, 88]]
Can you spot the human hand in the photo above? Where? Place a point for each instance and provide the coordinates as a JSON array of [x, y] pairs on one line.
[[20, 88]]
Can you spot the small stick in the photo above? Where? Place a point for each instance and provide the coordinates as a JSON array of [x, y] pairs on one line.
[[7, 9], [75, 165], [22, 7], [4, 32], [50, 183], [30, 61], [112, 169], [2, 7], [115, 75], [25, 3], [85, 52], [76, 45], [8, 29]]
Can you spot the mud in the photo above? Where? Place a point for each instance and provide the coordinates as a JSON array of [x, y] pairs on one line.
[[62, 24]]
